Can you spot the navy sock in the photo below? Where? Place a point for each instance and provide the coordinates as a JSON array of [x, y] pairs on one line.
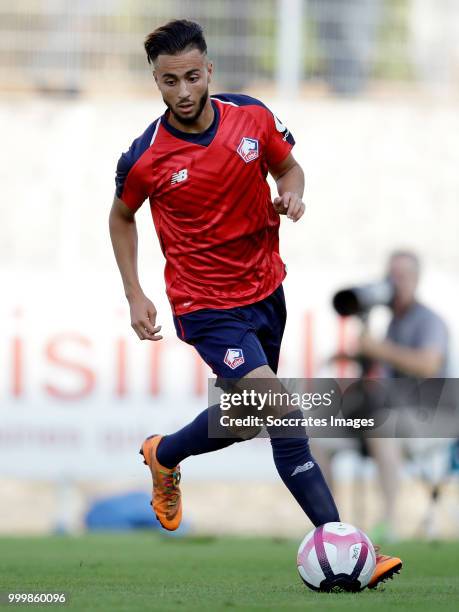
[[193, 439], [301, 474], [292, 457]]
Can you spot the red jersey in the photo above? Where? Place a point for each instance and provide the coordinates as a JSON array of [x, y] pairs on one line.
[[211, 203]]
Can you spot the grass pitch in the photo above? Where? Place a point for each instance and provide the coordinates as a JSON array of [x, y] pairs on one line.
[[145, 571]]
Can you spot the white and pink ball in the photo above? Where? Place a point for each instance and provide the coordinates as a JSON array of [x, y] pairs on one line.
[[336, 556]]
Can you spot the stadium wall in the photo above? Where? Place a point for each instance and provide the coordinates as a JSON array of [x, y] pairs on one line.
[[78, 390]]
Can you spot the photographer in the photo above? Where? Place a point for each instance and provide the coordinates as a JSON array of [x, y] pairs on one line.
[[416, 345]]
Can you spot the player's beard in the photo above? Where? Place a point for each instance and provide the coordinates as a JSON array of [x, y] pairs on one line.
[[190, 120]]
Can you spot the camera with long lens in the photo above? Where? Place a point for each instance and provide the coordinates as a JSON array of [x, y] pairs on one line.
[[358, 301], [361, 299]]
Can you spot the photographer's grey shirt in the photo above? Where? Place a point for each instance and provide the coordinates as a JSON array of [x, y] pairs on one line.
[[419, 328]]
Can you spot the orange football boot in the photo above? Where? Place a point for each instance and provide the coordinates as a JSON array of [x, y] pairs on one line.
[[167, 499], [385, 568]]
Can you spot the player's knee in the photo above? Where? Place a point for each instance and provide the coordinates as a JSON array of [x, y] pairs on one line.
[[242, 433]]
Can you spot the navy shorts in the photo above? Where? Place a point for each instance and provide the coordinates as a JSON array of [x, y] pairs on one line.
[[235, 341]]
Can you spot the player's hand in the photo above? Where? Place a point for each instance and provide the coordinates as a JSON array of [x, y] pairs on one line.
[[289, 204], [143, 318]]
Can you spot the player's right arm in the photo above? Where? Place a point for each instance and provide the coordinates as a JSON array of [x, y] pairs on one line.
[[123, 233]]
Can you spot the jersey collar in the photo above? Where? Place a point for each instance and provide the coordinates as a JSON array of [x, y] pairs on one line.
[[202, 138]]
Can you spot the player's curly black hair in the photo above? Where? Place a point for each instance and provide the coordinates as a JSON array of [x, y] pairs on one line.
[[174, 37]]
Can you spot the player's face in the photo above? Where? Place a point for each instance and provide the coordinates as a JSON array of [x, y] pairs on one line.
[[183, 81], [403, 274]]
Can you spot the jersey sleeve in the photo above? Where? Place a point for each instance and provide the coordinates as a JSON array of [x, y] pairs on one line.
[[129, 187], [132, 182], [279, 140]]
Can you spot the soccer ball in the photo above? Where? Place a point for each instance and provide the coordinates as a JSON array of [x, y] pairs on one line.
[[336, 557]]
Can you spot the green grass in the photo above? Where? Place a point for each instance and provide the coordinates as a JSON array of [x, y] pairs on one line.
[[147, 572]]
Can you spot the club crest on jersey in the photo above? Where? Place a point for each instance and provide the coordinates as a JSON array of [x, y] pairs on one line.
[[248, 149], [179, 177], [234, 357]]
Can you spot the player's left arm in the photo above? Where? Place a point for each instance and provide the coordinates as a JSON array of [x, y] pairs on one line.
[[289, 177]]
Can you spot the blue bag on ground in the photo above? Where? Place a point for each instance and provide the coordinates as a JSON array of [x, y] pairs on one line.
[[124, 512]]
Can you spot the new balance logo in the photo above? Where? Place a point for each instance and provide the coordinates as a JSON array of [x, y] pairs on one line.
[[179, 177], [303, 468]]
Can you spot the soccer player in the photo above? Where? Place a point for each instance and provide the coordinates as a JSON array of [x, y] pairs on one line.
[[203, 166]]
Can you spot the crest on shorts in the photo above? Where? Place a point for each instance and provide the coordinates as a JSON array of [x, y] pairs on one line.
[[248, 149], [234, 357]]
